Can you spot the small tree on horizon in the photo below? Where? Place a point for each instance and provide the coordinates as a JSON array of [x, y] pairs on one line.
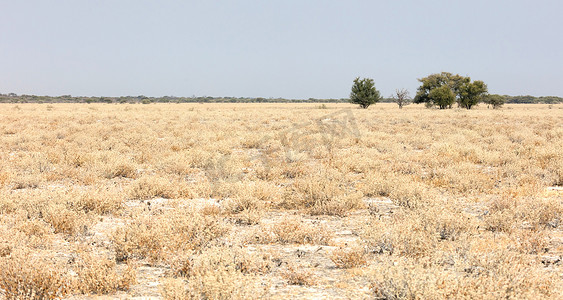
[[401, 97], [471, 93], [442, 96], [466, 93], [430, 84], [364, 92], [494, 100]]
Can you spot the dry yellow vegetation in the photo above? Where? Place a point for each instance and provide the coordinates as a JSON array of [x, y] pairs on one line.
[[227, 201]]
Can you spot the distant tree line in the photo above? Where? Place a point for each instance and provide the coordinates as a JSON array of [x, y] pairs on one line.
[[532, 99], [13, 98], [400, 95]]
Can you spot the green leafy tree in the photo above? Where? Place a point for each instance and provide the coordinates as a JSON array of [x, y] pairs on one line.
[[471, 93], [434, 81], [364, 92], [442, 96], [496, 101], [466, 93]]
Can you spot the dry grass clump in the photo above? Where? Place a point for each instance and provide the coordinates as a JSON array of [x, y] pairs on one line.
[[267, 192], [177, 164], [98, 275], [293, 230], [379, 185], [64, 220], [242, 202], [34, 229], [556, 170], [510, 211], [99, 201], [247, 217], [323, 194], [26, 182], [174, 288], [464, 177], [156, 186], [403, 190], [412, 282], [414, 195], [417, 233], [528, 241], [19, 232], [224, 167], [148, 187], [217, 273], [348, 258], [495, 276], [248, 201], [26, 277], [190, 263], [5, 249], [157, 236], [57, 209], [298, 275], [4, 177], [120, 169]]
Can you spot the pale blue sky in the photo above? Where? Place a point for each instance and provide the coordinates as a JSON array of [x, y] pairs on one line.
[[291, 49]]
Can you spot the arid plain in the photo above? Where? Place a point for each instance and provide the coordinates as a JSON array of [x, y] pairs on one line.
[[280, 201]]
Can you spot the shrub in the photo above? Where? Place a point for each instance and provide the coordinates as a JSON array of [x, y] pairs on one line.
[[64, 220], [98, 275], [293, 230], [150, 187], [99, 201], [216, 274], [298, 276], [156, 237], [120, 169], [348, 258], [323, 194], [26, 277]]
